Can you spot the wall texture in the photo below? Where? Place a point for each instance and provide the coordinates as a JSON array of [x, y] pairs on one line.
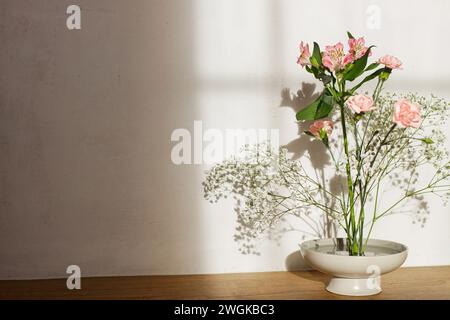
[[86, 118]]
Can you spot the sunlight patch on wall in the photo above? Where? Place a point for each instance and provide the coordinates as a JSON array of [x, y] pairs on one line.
[[232, 38]]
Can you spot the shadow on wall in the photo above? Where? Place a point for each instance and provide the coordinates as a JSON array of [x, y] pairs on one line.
[[304, 143], [256, 185], [306, 146], [85, 121]]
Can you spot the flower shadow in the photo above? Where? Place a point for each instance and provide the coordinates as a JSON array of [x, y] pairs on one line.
[[304, 145], [313, 149]]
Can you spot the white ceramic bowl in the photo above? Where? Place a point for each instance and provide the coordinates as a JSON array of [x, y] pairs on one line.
[[354, 275]]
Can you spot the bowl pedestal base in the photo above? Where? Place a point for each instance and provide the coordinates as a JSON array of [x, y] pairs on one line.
[[355, 287]]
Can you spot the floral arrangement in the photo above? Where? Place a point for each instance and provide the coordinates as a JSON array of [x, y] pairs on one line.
[[373, 140]]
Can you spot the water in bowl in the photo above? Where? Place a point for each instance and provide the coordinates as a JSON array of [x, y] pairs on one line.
[[371, 250]]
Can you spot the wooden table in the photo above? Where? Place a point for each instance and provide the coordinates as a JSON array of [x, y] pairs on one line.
[[405, 283]]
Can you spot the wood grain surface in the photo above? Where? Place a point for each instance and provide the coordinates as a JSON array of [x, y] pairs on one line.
[[405, 283]]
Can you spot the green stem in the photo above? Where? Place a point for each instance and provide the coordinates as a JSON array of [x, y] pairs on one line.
[[352, 221], [361, 219], [360, 228], [374, 218]]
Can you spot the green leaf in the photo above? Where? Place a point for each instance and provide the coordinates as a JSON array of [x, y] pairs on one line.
[[348, 68], [346, 94], [314, 70], [372, 66], [427, 141], [318, 109], [350, 36], [314, 62], [368, 78], [358, 67], [316, 54], [326, 79], [309, 112], [325, 107]]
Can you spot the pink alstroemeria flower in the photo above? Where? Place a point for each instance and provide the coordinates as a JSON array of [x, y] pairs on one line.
[[303, 59], [334, 57], [357, 48], [407, 114], [390, 61], [319, 125]]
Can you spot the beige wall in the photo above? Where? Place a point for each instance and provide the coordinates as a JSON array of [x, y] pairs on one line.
[[86, 117]]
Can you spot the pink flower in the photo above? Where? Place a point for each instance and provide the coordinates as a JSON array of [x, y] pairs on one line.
[[334, 57], [360, 103], [320, 125], [390, 61], [303, 59], [348, 59], [357, 48], [407, 114]]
